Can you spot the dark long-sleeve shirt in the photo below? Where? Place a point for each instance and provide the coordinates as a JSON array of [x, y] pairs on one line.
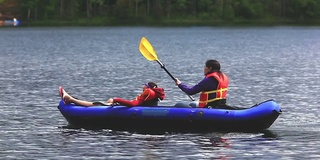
[[205, 84]]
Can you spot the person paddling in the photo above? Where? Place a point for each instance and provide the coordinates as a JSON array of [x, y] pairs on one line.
[[213, 88]]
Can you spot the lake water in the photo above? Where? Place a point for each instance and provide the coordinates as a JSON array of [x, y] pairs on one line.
[[280, 63]]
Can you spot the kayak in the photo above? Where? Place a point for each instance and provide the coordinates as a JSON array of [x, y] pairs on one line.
[[13, 22], [171, 118]]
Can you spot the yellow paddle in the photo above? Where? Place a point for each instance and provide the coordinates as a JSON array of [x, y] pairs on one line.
[[149, 53]]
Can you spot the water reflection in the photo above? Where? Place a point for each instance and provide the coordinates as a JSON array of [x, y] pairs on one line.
[[224, 145], [269, 134], [215, 145], [219, 142]]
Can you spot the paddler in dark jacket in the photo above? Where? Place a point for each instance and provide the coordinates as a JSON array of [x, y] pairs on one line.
[[213, 88]]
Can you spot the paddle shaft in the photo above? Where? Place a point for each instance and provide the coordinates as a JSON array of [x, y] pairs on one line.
[[149, 53], [165, 69]]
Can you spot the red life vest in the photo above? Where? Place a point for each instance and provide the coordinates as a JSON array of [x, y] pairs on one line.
[[221, 91], [146, 97], [149, 97]]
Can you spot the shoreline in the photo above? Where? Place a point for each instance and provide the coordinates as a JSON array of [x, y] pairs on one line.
[[103, 22]]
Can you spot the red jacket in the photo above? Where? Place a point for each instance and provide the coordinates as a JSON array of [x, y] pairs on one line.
[[148, 94]]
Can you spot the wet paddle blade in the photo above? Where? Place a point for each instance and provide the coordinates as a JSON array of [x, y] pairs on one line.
[[147, 50]]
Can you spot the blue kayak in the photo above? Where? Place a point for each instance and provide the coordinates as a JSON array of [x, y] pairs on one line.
[[171, 118]]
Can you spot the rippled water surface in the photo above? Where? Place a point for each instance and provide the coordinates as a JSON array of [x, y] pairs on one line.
[[280, 63]]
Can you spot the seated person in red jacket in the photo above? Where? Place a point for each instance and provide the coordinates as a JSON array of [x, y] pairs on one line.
[[149, 97]]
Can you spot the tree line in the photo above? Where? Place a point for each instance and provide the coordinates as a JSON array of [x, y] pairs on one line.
[[162, 11]]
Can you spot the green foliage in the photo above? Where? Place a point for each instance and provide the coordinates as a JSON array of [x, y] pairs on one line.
[[160, 11]]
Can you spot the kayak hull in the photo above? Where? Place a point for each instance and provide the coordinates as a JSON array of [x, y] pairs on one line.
[[171, 119]]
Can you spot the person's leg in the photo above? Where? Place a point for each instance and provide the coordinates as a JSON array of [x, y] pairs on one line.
[[69, 99]]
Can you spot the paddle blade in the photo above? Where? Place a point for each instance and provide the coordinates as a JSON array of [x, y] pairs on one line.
[[147, 50]]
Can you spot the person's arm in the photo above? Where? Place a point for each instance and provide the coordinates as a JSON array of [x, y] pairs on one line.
[[137, 101], [201, 86]]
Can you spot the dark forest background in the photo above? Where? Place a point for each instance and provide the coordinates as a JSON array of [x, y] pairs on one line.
[[161, 12]]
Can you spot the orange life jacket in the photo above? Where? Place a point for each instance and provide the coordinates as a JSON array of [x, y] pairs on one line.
[[220, 93]]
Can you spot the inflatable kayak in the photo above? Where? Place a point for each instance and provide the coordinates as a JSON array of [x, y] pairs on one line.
[[13, 22], [171, 118]]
